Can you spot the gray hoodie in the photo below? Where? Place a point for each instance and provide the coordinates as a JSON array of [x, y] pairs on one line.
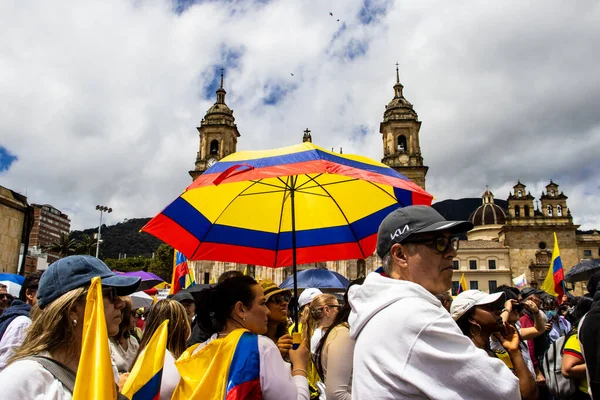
[[408, 347]]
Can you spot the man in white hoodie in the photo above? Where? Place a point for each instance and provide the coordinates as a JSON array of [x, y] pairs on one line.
[[407, 345]]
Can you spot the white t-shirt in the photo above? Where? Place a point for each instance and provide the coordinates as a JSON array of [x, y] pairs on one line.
[[28, 380], [170, 377], [123, 359], [13, 337], [315, 339], [276, 380]]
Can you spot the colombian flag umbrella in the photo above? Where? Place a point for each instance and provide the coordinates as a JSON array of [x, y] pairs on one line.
[[276, 208]]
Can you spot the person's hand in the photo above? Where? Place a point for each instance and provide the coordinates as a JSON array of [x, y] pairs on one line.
[[531, 306], [299, 357], [509, 339], [539, 378], [508, 305], [284, 344], [548, 326], [122, 380]]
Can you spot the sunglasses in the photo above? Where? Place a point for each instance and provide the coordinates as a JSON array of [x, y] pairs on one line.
[[441, 244], [279, 299], [4, 296], [110, 293]]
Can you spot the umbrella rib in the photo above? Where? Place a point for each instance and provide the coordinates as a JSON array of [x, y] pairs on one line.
[[343, 215], [286, 193], [380, 188], [332, 183], [267, 184], [282, 190], [223, 211], [305, 183]]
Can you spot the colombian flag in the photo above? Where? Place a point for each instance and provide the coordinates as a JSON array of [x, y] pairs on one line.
[[554, 282], [144, 381], [225, 369], [183, 276], [462, 284], [97, 381]]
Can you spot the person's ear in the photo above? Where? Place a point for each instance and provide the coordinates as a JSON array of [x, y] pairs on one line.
[[30, 294], [398, 253], [239, 310]]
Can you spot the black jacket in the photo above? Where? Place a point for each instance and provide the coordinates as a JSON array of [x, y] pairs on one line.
[[589, 336]]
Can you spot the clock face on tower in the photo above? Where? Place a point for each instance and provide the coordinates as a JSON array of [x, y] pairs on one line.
[[404, 159], [211, 161]]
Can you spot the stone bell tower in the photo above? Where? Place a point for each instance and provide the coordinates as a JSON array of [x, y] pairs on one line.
[[400, 130], [218, 134]]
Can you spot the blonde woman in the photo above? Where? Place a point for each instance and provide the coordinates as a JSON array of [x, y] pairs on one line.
[[179, 332], [317, 317], [53, 342]]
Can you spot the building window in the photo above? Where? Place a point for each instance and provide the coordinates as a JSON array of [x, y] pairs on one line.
[[558, 211], [587, 253], [472, 264], [474, 285], [455, 264], [552, 192], [526, 211], [519, 193], [491, 264], [214, 147], [517, 211], [401, 143], [492, 285], [454, 288], [549, 211]]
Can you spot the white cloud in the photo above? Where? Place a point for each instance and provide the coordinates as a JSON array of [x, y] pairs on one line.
[[101, 99]]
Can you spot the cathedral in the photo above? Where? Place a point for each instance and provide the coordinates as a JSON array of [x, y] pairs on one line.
[[505, 243]]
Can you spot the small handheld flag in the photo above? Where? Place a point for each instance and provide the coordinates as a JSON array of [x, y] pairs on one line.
[[146, 374], [520, 281], [183, 276], [97, 380], [554, 282], [462, 284]]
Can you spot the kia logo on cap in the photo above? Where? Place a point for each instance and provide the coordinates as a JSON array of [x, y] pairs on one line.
[[399, 232]]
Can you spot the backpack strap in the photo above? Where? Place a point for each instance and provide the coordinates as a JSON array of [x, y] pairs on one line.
[[62, 373]]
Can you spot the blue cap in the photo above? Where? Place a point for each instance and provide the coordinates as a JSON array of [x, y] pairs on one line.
[[74, 272]]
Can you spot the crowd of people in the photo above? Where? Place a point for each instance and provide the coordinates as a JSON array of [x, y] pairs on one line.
[[396, 334]]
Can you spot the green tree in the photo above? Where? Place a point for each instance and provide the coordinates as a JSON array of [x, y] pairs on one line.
[[129, 264], [162, 263], [86, 245], [64, 246]]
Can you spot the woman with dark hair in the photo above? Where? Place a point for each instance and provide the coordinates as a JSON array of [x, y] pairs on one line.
[[573, 363], [123, 346], [335, 352], [478, 315], [237, 357]]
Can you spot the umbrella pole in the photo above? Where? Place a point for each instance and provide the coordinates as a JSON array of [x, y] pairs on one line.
[[294, 269]]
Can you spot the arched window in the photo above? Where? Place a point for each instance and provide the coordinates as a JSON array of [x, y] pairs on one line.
[[558, 211], [517, 211], [552, 192], [549, 211], [519, 193], [214, 147], [401, 143], [526, 211]]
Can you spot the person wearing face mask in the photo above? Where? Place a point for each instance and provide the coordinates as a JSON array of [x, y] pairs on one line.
[[560, 325]]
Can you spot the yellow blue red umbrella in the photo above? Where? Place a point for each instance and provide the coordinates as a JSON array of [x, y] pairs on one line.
[[275, 208], [240, 209]]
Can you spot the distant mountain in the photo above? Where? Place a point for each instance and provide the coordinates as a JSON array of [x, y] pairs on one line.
[[461, 209], [123, 238]]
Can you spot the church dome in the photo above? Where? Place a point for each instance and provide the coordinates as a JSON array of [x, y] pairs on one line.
[[488, 213]]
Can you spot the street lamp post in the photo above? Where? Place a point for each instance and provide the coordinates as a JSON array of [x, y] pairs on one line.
[[102, 209]]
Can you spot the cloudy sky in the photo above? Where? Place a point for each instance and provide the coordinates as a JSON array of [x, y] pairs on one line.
[[101, 99]]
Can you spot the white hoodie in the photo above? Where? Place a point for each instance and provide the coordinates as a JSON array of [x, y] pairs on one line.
[[409, 347]]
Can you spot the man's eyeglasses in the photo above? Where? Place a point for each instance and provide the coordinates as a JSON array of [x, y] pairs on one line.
[[280, 298], [5, 296], [441, 244]]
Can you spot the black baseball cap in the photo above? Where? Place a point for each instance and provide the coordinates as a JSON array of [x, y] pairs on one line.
[[74, 272], [401, 223]]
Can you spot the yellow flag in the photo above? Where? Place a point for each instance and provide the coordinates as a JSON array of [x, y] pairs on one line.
[[95, 379], [553, 284], [145, 378], [245, 270], [213, 280]]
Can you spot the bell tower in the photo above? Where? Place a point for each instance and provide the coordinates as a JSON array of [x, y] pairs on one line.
[[400, 131], [218, 134]]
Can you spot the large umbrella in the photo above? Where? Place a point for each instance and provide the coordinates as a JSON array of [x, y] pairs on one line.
[[276, 208], [18, 279], [149, 280], [316, 278], [141, 299], [583, 270]]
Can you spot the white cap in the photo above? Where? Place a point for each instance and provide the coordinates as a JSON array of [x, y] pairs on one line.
[[470, 298], [307, 296]]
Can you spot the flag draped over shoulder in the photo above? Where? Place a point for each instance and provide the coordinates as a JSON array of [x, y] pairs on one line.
[[225, 369], [183, 276], [96, 379], [462, 284], [145, 378], [554, 282]]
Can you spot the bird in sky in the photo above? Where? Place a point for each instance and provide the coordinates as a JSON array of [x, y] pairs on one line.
[[330, 14], [291, 74]]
